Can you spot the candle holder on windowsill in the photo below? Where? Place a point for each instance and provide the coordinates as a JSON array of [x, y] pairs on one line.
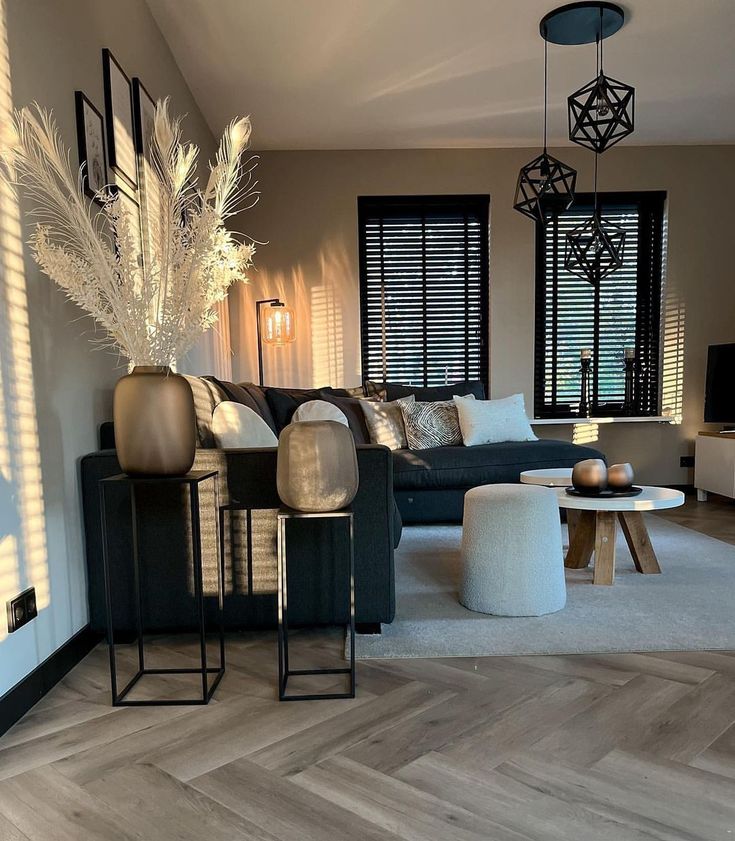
[[628, 403], [585, 370]]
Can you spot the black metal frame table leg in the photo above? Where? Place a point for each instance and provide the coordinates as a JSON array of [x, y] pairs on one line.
[[108, 599], [119, 699], [284, 670]]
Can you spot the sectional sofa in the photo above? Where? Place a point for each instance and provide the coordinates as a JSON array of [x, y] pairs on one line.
[[403, 486]]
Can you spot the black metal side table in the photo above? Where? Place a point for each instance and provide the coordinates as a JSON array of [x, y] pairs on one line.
[[284, 671], [192, 480]]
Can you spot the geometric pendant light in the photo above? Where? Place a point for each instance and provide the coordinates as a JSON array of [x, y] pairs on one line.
[[545, 185], [596, 248], [601, 113]]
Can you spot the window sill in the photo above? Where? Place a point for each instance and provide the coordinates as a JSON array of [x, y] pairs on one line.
[[587, 421]]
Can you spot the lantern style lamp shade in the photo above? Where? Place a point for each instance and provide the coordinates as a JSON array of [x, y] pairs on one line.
[[275, 326], [545, 186], [594, 249]]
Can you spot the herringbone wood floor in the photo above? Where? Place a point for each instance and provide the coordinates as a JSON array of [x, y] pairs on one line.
[[611, 747]]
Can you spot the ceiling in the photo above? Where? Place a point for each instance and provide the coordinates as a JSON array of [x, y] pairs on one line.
[[388, 74]]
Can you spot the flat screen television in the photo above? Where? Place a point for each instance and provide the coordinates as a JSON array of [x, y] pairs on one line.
[[719, 395]]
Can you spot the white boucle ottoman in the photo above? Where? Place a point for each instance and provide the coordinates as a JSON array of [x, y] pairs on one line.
[[512, 562]]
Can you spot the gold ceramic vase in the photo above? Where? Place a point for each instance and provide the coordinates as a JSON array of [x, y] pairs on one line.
[[155, 423], [317, 466]]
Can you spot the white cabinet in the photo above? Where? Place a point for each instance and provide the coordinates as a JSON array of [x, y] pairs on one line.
[[714, 464]]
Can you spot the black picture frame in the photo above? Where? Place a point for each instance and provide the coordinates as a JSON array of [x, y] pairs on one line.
[[130, 202], [119, 103], [85, 111], [149, 188], [144, 107]]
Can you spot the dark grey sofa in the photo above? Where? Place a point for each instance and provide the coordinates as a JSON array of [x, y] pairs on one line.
[[421, 486], [430, 485]]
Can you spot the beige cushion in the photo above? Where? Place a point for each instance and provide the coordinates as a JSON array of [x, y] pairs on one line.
[[385, 422], [207, 395], [238, 427], [319, 410]]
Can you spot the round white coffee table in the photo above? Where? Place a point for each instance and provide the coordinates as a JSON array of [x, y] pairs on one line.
[[594, 526], [550, 477]]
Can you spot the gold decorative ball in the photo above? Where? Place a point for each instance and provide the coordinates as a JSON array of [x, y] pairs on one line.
[[590, 475], [620, 476]]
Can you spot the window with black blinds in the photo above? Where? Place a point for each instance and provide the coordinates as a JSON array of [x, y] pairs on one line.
[[622, 311], [424, 288]]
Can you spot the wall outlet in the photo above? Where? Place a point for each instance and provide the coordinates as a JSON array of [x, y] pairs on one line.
[[22, 609], [686, 461]]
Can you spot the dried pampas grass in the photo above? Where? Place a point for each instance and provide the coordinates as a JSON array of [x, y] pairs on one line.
[[151, 313]]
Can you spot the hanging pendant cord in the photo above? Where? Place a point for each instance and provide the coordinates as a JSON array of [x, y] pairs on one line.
[[546, 84], [597, 155], [598, 57]]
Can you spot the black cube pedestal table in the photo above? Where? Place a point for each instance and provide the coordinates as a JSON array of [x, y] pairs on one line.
[[192, 481], [284, 671]]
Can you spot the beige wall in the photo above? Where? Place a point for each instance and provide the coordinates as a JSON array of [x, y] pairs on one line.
[[308, 215], [55, 48]]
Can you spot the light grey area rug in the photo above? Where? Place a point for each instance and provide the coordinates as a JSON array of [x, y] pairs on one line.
[[690, 606]]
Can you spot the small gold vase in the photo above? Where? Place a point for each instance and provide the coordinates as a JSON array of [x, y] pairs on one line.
[[155, 423]]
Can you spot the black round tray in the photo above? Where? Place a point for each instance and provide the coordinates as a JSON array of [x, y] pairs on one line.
[[633, 490]]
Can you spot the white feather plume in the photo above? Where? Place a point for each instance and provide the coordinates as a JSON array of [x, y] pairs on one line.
[[154, 313]]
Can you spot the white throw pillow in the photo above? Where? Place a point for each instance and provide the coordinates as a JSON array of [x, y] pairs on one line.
[[316, 410], [493, 421], [238, 427]]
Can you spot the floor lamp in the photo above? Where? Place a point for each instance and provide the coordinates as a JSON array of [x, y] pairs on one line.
[[275, 326]]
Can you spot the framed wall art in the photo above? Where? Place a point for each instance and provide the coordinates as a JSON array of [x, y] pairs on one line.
[[131, 208], [119, 118], [91, 145], [144, 108]]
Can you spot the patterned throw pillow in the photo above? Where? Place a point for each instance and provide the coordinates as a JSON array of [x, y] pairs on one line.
[[362, 392], [371, 391], [431, 424]]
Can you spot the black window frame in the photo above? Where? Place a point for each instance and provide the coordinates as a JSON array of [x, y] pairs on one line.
[[651, 205], [475, 204]]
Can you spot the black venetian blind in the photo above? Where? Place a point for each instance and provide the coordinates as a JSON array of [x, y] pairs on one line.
[[424, 288], [624, 311]]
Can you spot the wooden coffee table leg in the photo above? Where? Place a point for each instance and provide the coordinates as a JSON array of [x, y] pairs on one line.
[[581, 541], [605, 526], [639, 543], [572, 520]]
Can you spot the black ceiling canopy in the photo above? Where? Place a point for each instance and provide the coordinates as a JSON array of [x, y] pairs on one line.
[[581, 23]]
